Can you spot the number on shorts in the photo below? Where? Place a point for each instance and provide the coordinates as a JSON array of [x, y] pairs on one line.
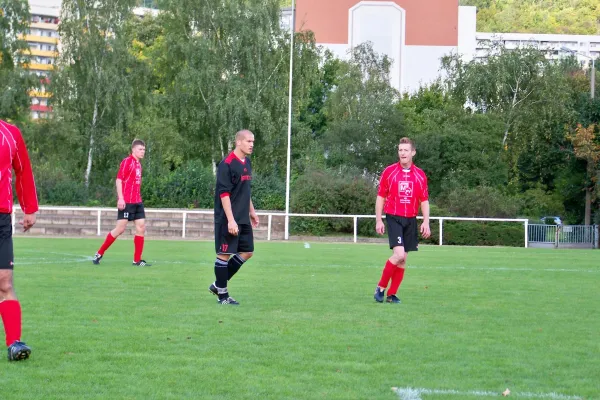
[[399, 239]]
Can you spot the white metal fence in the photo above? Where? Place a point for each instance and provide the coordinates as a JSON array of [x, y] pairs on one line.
[[270, 215], [566, 236]]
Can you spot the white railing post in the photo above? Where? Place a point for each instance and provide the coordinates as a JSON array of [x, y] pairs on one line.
[[355, 218], [183, 225], [99, 230], [441, 230], [270, 219], [526, 223]]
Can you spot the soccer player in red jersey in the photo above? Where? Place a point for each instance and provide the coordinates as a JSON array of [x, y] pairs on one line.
[[234, 215], [402, 189], [129, 204], [13, 156]]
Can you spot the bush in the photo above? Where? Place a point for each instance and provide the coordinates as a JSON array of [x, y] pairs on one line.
[[192, 185], [483, 201], [467, 233], [538, 201], [332, 192], [55, 187], [268, 192]]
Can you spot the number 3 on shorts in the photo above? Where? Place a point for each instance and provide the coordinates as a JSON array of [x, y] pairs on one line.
[[399, 239]]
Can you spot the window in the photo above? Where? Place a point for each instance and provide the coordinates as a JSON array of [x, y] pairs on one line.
[[148, 3]]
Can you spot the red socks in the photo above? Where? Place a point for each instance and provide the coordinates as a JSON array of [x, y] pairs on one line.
[[107, 242], [396, 281], [393, 272], [138, 242], [388, 272], [11, 317]]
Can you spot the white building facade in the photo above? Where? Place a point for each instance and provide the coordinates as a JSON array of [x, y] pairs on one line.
[[417, 34]]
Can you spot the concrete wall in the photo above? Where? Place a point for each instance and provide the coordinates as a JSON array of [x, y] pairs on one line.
[[83, 222]]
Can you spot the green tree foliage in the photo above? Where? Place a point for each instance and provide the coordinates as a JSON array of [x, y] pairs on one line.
[[457, 148], [537, 16], [15, 82], [95, 84], [363, 125], [227, 69], [530, 95]]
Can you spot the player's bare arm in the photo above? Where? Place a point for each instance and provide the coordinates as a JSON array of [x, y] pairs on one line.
[[253, 216], [379, 225], [232, 226], [425, 230], [120, 198]]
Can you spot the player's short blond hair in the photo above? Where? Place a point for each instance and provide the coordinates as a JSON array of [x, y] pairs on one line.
[[138, 142], [406, 140]]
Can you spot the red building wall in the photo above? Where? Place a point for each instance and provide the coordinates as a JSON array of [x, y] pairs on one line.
[[428, 22]]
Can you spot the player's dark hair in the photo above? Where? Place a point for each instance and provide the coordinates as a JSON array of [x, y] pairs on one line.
[[138, 142], [406, 140]]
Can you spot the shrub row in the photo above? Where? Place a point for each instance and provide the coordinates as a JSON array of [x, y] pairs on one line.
[[317, 191]]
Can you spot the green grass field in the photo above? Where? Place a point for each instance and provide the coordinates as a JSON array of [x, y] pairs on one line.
[[473, 322]]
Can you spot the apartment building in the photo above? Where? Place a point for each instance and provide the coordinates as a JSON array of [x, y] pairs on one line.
[[43, 40], [415, 35]]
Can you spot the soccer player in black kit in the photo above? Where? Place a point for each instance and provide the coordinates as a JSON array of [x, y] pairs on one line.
[[234, 215]]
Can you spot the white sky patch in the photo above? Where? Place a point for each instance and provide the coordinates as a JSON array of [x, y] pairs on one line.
[[409, 393]]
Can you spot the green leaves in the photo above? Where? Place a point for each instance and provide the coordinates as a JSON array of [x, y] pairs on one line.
[[228, 70], [364, 126], [537, 16], [15, 82]]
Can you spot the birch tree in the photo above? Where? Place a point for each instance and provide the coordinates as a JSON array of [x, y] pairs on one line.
[[93, 86]]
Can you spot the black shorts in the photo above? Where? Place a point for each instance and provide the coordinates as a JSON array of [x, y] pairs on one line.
[[226, 243], [6, 243], [403, 231], [132, 211]]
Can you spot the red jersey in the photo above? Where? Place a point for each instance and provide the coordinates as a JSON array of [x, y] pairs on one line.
[[14, 156], [130, 173], [404, 189]]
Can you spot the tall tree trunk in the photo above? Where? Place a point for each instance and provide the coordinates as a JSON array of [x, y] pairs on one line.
[[508, 120], [88, 169], [588, 207]]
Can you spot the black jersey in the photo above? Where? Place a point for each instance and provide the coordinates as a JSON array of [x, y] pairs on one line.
[[233, 179]]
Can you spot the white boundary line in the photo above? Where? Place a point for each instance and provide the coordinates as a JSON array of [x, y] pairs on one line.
[[415, 394]]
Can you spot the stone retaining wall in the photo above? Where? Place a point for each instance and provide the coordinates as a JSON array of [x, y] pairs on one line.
[[71, 222]]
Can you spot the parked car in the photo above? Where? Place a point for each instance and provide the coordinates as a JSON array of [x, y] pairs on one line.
[[551, 220]]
